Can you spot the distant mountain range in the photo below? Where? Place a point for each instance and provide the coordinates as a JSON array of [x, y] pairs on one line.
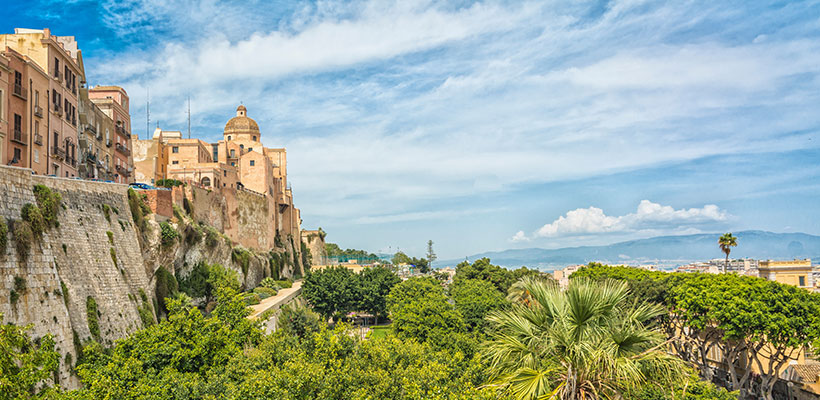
[[665, 251]]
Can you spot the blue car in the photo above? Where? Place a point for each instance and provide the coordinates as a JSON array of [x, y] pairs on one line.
[[142, 186]]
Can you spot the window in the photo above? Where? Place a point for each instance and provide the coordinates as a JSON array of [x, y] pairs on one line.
[[250, 148], [36, 155], [253, 163], [224, 173], [229, 137], [215, 151], [254, 138], [174, 162], [18, 125], [233, 153], [241, 147], [802, 280], [18, 157], [206, 181], [37, 98], [56, 67], [175, 149]]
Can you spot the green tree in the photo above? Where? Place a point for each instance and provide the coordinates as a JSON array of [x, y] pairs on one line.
[[332, 291], [726, 242], [589, 341], [25, 363], [401, 258], [420, 310], [483, 270], [376, 283], [474, 299], [431, 255]]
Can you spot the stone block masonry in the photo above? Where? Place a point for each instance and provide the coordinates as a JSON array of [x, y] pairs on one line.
[[71, 263]]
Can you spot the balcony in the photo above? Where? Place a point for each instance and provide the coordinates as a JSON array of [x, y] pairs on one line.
[[122, 131], [122, 149], [58, 152], [58, 109], [38, 139], [108, 143], [71, 161], [91, 129], [38, 111], [19, 137], [18, 91], [122, 171], [57, 75], [90, 158]]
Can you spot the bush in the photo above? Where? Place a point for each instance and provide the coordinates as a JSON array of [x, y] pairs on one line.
[[49, 203], [110, 237], [34, 217], [241, 256], [188, 206], [107, 212], [93, 315], [192, 234], [19, 284], [251, 299], [274, 263], [4, 232], [23, 237], [168, 233], [138, 207], [211, 236], [269, 283], [265, 292], [167, 286], [284, 284], [168, 183]]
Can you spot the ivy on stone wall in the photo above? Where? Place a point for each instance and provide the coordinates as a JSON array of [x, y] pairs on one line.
[[169, 235], [114, 256], [49, 203], [188, 206], [241, 256], [4, 232], [34, 217], [93, 315], [139, 209], [23, 237], [107, 212], [110, 237]]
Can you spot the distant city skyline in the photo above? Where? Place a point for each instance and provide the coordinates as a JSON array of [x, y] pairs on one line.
[[487, 125]]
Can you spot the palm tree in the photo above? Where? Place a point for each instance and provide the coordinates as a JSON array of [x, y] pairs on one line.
[[588, 342], [726, 242]]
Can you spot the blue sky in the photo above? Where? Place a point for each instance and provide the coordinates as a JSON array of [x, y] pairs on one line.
[[488, 125]]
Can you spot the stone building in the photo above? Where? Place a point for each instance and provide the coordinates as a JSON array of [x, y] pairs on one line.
[[238, 162], [97, 153]]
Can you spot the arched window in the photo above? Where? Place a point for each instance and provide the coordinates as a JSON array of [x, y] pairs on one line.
[[233, 153], [242, 147], [206, 181]]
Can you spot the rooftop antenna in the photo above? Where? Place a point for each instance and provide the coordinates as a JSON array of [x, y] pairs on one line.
[[189, 116], [148, 113]]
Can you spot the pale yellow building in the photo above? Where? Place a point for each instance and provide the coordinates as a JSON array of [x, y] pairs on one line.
[[795, 272]]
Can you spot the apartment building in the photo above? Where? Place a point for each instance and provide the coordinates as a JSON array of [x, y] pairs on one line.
[[114, 102]]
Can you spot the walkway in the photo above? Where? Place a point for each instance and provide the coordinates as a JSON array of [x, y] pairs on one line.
[[274, 304]]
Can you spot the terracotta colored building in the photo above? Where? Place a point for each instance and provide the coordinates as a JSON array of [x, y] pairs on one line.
[[57, 127]]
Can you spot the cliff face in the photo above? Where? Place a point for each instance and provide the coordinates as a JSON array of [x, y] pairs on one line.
[[93, 274]]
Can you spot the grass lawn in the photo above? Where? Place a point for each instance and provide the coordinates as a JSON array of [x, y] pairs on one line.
[[380, 331]]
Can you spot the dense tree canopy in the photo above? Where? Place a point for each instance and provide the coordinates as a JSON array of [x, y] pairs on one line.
[[23, 363], [483, 270]]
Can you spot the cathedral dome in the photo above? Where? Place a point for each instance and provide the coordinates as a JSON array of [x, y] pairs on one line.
[[241, 124]]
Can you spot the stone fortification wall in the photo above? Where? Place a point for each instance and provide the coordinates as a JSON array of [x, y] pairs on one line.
[[71, 263], [315, 244]]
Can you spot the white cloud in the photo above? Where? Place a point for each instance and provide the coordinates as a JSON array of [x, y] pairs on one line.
[[649, 216]]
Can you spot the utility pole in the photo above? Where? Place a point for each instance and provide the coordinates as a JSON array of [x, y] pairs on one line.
[[189, 116]]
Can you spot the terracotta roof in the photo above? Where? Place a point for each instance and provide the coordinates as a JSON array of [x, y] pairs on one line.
[[807, 372]]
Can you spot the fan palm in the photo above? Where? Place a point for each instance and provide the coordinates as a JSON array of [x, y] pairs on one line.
[[587, 342], [726, 242]]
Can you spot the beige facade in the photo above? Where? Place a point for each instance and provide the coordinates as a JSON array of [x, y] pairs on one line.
[[114, 102], [238, 162], [96, 148]]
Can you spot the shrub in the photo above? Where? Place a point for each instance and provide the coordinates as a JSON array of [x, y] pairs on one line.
[[23, 237], [167, 286], [274, 262], [251, 299], [264, 292], [107, 212], [20, 284], [269, 283], [13, 296], [49, 203], [146, 209], [93, 315], [64, 291], [65, 249], [242, 257], [192, 234], [211, 236], [169, 235], [34, 217], [4, 232], [110, 237], [284, 284], [188, 206], [168, 183], [137, 206]]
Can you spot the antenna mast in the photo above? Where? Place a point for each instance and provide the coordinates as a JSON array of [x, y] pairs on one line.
[[148, 114], [189, 116]]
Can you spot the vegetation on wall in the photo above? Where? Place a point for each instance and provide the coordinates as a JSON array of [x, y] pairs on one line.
[[307, 258], [275, 264], [113, 256], [31, 214], [167, 286], [106, 211], [25, 363], [168, 235], [242, 257], [188, 206], [4, 232], [146, 312], [93, 315], [23, 238], [169, 183], [110, 237], [49, 203], [139, 209]]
